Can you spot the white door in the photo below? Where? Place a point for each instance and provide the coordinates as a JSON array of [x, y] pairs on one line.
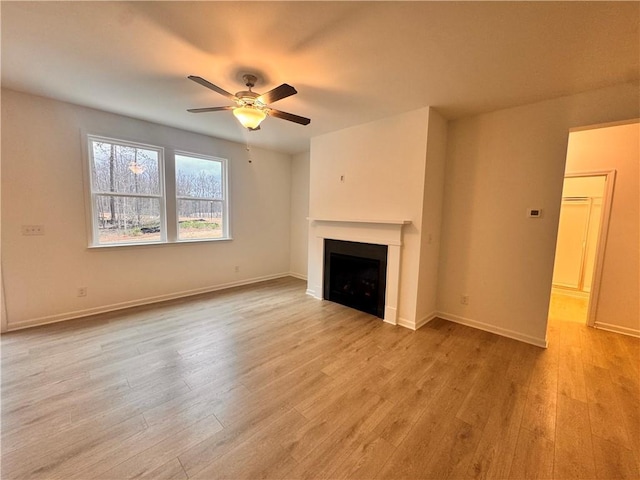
[[568, 269]]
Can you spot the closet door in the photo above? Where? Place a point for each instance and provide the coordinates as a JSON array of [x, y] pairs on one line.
[[593, 232], [570, 249]]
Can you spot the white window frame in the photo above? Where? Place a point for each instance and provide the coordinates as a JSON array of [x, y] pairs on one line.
[[223, 200], [168, 193]]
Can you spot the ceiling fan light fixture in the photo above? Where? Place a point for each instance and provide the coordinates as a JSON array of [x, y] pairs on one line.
[[250, 117], [136, 168]]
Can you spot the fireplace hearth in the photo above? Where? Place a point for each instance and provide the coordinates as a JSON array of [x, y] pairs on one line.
[[355, 275]]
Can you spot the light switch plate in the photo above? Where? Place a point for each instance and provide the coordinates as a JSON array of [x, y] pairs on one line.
[[32, 229]]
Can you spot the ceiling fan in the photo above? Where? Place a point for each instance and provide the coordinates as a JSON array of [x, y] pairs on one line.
[[250, 107]]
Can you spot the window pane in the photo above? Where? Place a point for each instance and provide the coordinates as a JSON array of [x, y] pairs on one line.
[[127, 219], [124, 169], [199, 219], [198, 177]]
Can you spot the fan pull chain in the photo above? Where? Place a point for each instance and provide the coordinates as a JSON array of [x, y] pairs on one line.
[[248, 148]]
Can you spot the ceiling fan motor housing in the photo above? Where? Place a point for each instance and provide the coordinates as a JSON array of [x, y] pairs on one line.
[[247, 97]]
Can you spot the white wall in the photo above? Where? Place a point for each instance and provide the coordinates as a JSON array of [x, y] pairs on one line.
[[42, 185], [426, 304], [498, 165], [299, 213], [383, 164], [615, 148]]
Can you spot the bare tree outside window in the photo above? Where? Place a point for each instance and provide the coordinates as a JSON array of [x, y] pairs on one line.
[[128, 202], [199, 191], [127, 193]]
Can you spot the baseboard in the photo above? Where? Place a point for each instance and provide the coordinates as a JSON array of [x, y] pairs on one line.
[[403, 322], [298, 275], [538, 342], [570, 293], [136, 303], [632, 332], [188, 293], [426, 319], [312, 293]]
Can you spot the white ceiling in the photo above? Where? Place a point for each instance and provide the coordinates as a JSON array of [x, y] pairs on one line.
[[351, 62]]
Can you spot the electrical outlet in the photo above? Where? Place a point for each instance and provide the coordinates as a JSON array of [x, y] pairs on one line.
[[464, 299], [82, 291], [32, 229]]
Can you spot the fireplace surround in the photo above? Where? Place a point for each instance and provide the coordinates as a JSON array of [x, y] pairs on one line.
[[378, 232]]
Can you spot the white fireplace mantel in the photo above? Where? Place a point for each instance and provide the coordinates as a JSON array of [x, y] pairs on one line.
[[380, 232], [359, 220]]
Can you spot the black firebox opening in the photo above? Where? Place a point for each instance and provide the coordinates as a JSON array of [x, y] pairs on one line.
[[355, 275]]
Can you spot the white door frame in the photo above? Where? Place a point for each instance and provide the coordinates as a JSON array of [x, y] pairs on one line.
[[3, 306], [605, 215]]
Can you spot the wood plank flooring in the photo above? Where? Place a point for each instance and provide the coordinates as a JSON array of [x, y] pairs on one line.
[[263, 381]]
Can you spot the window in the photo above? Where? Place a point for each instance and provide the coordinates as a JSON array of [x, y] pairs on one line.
[[129, 204], [200, 197], [127, 192]]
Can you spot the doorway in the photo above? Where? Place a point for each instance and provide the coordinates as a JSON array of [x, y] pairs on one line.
[[585, 207], [613, 150]]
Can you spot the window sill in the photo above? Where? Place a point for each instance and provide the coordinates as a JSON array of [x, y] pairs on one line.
[[158, 244], [202, 240]]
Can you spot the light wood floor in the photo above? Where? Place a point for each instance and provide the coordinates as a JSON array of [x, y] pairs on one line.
[[568, 308], [265, 382]]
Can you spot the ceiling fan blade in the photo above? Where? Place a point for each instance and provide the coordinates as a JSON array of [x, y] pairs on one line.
[[278, 93], [289, 116], [215, 88], [209, 109]]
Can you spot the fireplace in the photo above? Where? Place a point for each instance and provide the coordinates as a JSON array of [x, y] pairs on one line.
[[355, 275], [386, 233]]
